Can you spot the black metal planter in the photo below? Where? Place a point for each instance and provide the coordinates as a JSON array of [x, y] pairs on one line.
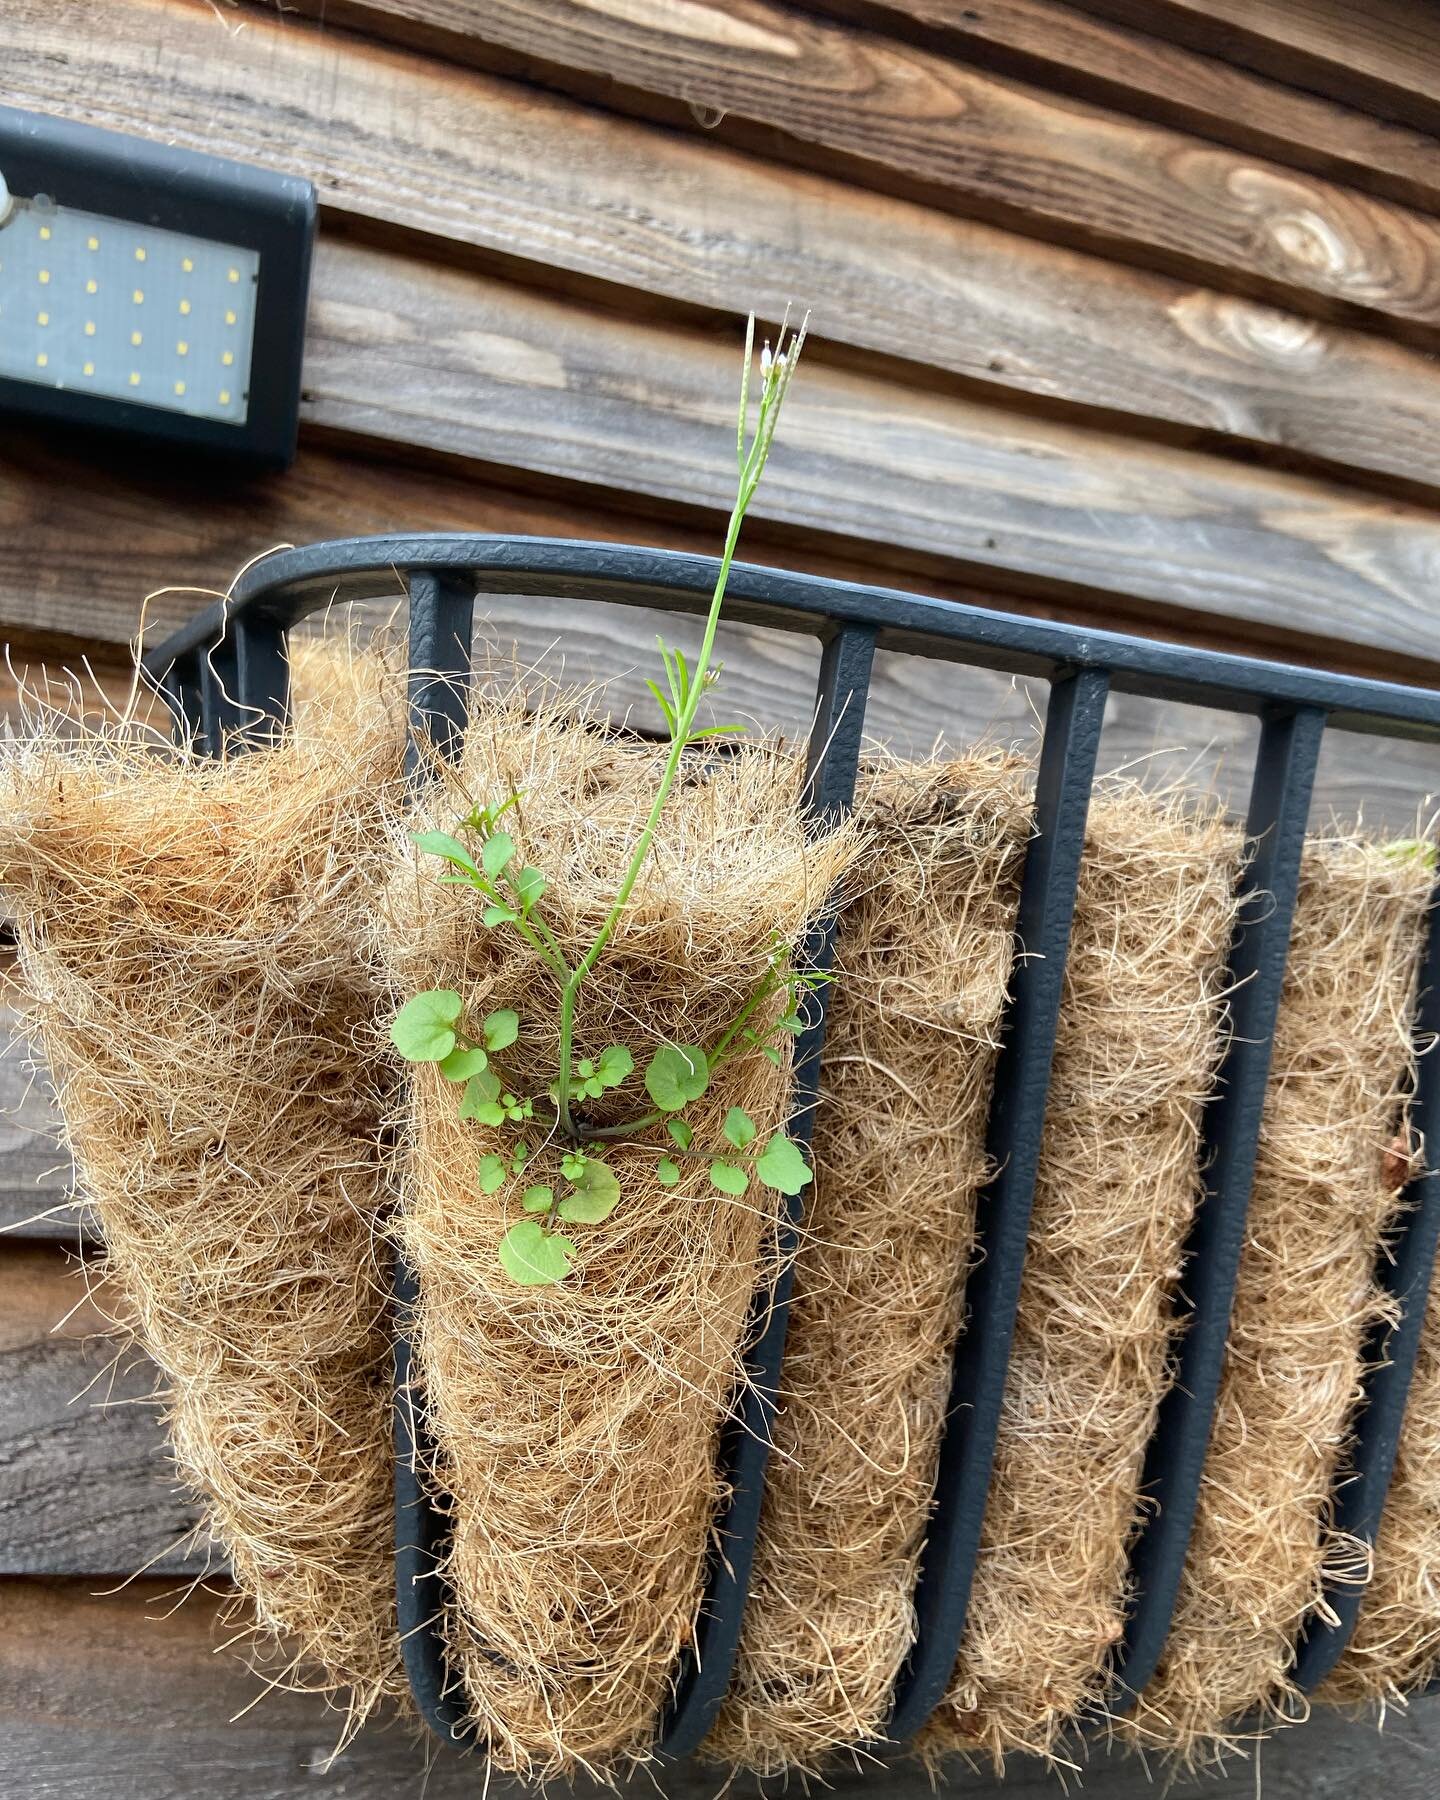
[[226, 677]]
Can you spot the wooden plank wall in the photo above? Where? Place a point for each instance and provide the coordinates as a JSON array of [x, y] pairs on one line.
[[1125, 311]]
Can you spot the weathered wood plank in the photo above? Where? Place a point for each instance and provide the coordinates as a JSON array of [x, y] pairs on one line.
[[86, 1487], [628, 413], [484, 369], [123, 1695], [93, 544], [924, 126], [462, 157], [1059, 46], [1383, 56], [34, 1168]]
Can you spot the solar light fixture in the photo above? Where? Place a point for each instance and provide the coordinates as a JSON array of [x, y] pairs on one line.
[[150, 290]]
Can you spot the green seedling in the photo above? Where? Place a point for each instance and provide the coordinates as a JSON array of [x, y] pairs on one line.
[[486, 856]]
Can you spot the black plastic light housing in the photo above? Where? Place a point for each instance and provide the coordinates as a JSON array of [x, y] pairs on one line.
[[151, 291]]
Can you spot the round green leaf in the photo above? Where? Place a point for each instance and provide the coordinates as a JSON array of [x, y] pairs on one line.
[[530, 884], [667, 1172], [678, 1074], [596, 1195], [492, 1172], [537, 1199], [729, 1177], [782, 1167], [533, 1257], [679, 1129], [615, 1065], [424, 1028], [481, 1090], [501, 1029], [460, 1065]]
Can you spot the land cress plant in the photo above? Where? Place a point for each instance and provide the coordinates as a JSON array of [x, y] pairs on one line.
[[432, 1028]]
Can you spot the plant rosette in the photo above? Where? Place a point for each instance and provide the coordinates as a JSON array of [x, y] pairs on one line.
[[686, 1124]]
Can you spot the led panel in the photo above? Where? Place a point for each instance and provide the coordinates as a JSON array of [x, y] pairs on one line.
[[128, 311], [149, 290]]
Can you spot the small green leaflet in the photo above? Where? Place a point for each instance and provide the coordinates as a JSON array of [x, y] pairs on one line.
[[681, 1132], [485, 818], [615, 1065], [597, 1194], [501, 1029], [491, 1173], [481, 1099], [667, 1173], [710, 731], [440, 843], [424, 1028], [460, 1065], [533, 1257], [729, 1177], [530, 884], [666, 708], [1404, 849], [497, 915], [739, 1127], [677, 674], [497, 854], [782, 1167], [678, 1074], [537, 1199]]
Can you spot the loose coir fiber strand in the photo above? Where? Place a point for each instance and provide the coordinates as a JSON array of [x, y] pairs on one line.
[[188, 935], [923, 958], [1119, 1177], [576, 1426], [1321, 1205]]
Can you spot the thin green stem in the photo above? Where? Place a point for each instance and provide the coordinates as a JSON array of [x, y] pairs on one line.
[[641, 851], [762, 993], [556, 961], [776, 381], [557, 955], [591, 1133]]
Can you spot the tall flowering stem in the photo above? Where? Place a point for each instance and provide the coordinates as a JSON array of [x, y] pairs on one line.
[[687, 688]]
